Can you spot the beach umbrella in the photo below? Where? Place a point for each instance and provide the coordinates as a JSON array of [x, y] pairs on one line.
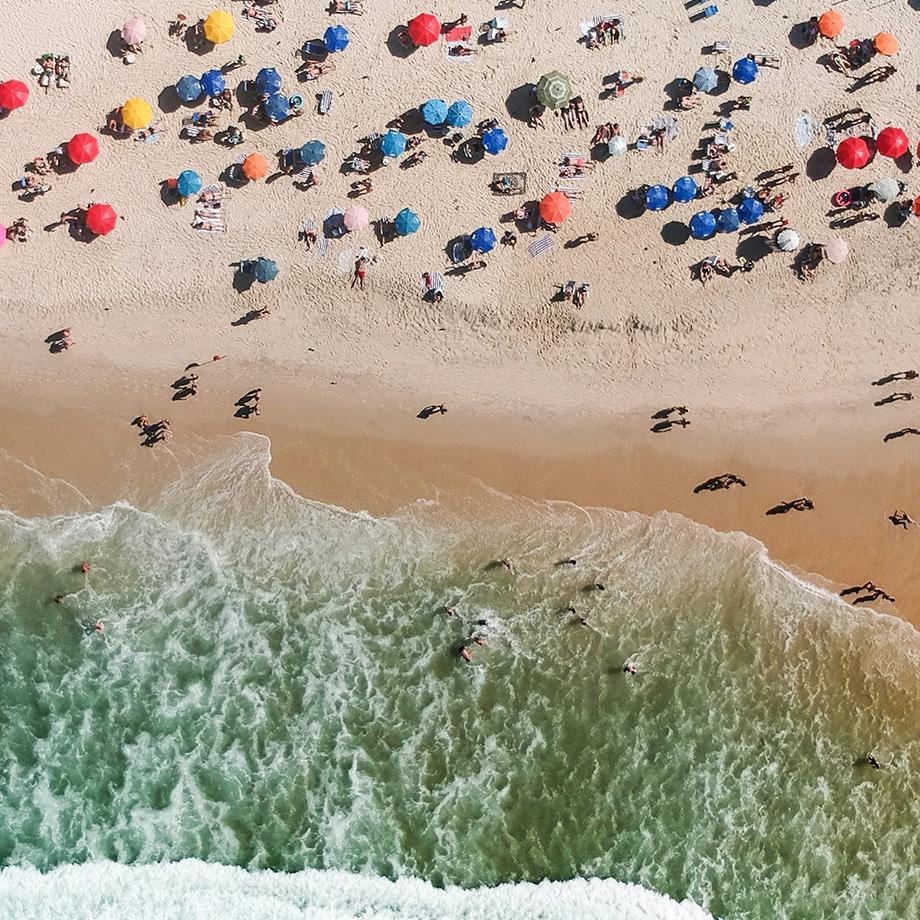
[[555, 208], [853, 153], [356, 218], [276, 107], [750, 210], [313, 152], [886, 189], [837, 250], [255, 166], [407, 221], [728, 220], [657, 198], [892, 142], [787, 240], [745, 70], [134, 31], [219, 27], [213, 82], [3, 229], [616, 146], [424, 30], [82, 148], [830, 24], [494, 141], [268, 80], [393, 144], [265, 270], [434, 111], [885, 43], [554, 90], [483, 239], [101, 219], [136, 113], [189, 88], [460, 114], [703, 225], [705, 79], [685, 189], [188, 183], [13, 94], [336, 38]]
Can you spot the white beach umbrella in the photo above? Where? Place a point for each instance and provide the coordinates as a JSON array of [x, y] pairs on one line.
[[617, 146], [837, 250], [787, 240], [886, 189]]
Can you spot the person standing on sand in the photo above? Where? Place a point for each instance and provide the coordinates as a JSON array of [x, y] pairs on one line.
[[360, 271]]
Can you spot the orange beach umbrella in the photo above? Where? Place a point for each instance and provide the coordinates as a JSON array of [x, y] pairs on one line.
[[219, 27], [830, 24], [886, 43], [255, 166], [136, 113], [555, 208]]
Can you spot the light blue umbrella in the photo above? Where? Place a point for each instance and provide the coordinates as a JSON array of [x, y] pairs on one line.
[[657, 198], [336, 38], [188, 89], [483, 239], [276, 107], [393, 144], [460, 114], [703, 225], [727, 220], [188, 183], [268, 80], [750, 210], [407, 221], [313, 152], [705, 79], [434, 111], [213, 82], [745, 70], [685, 189], [494, 141]]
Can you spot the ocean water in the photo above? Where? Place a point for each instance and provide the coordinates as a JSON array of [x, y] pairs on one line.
[[277, 688]]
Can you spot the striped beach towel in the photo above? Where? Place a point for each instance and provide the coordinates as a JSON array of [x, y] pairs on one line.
[[431, 281], [570, 191], [541, 244]]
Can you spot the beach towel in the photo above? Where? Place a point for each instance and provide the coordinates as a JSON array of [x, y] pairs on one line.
[[436, 282], [573, 193], [325, 102], [516, 184], [803, 129], [586, 26], [321, 248], [458, 34], [669, 123], [541, 244]]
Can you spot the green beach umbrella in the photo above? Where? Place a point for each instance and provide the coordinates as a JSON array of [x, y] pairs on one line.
[[554, 90]]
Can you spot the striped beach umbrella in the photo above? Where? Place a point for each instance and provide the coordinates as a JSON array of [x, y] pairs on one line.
[[554, 90]]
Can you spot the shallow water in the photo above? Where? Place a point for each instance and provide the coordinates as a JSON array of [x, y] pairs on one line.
[[278, 688]]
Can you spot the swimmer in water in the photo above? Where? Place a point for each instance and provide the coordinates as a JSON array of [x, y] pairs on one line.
[[630, 668], [85, 568], [464, 653], [567, 562], [59, 598], [90, 628], [506, 563], [479, 639], [450, 611]]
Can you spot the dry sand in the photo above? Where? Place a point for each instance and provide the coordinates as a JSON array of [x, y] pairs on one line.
[[546, 399]]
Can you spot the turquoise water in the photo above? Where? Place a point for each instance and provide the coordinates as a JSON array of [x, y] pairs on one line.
[[277, 688]]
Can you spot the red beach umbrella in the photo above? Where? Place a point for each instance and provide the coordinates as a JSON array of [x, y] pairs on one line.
[[853, 153], [82, 148], [555, 208], [424, 30], [101, 219], [892, 142], [13, 94]]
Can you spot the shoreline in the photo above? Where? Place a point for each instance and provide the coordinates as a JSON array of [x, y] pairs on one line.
[[362, 448]]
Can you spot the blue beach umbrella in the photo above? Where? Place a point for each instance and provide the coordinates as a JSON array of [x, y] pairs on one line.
[[434, 111], [188, 183], [313, 152], [268, 80], [703, 225], [685, 189], [460, 114], [494, 141], [483, 239], [276, 107], [213, 82], [727, 220], [750, 210], [407, 221], [336, 38], [265, 270], [393, 144], [705, 79], [188, 89], [657, 198], [745, 70]]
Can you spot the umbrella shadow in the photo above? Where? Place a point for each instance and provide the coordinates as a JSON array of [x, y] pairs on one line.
[[398, 42], [892, 216], [905, 162], [675, 91], [754, 247], [458, 249], [168, 100], [600, 153], [799, 38], [168, 194], [820, 164], [334, 227], [520, 101], [233, 177], [470, 151], [411, 122], [675, 233], [114, 45], [629, 208], [242, 281], [314, 49]]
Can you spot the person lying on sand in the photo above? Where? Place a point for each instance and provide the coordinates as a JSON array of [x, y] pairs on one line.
[[894, 397], [723, 481], [428, 411], [797, 504], [897, 375]]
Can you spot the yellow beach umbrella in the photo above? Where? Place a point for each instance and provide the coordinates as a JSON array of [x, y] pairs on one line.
[[219, 27], [136, 113]]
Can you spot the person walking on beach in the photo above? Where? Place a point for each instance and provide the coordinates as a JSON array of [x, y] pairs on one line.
[[902, 519], [360, 271], [428, 411]]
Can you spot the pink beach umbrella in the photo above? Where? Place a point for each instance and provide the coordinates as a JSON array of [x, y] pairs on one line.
[[2, 234], [134, 31], [356, 218]]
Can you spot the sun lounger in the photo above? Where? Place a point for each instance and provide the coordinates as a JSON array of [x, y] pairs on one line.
[[540, 245], [324, 102]]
